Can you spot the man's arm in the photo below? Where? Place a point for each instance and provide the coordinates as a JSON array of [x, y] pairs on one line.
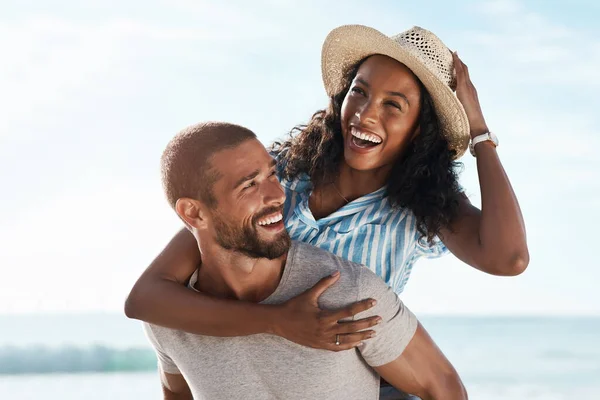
[[423, 370], [175, 387]]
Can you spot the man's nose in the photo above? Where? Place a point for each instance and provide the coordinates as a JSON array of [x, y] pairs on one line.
[[274, 193]]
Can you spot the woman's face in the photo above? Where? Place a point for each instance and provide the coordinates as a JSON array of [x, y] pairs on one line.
[[379, 114]]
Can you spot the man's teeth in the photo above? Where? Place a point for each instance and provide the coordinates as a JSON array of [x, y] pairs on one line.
[[271, 220], [368, 137]]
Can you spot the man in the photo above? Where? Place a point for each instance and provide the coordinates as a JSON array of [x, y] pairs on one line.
[[232, 202]]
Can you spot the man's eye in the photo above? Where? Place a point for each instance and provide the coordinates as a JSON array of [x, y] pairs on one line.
[[249, 185]]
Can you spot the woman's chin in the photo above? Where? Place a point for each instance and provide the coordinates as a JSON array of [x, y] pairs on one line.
[[360, 163]]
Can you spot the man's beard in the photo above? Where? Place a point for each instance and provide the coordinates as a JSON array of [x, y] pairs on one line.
[[246, 240]]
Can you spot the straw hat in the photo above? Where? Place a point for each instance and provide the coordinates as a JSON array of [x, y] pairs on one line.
[[420, 50]]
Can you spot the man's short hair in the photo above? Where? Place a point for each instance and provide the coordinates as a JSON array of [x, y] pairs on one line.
[[186, 169]]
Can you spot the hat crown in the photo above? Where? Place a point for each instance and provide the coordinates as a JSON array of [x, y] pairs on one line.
[[431, 51]]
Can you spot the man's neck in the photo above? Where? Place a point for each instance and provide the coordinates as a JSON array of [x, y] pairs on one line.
[[230, 274]]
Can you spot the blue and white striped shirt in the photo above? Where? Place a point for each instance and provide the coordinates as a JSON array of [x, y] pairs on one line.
[[368, 231]]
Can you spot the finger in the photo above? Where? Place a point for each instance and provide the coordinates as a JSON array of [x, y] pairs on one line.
[[317, 290], [356, 326], [353, 309], [457, 63], [352, 340], [460, 65], [466, 69], [458, 68]]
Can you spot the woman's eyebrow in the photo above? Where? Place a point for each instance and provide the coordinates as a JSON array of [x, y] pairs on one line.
[[397, 94]]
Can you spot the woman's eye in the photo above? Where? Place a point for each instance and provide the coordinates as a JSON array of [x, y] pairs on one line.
[[357, 90], [395, 105]]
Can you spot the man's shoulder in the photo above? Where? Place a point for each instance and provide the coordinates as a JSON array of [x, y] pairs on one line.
[[310, 259], [308, 252], [309, 256]]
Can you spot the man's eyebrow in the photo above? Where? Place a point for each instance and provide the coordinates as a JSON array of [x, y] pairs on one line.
[[248, 177], [398, 94], [253, 174]]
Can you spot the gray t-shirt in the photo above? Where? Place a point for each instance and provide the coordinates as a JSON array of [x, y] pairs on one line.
[[269, 367]]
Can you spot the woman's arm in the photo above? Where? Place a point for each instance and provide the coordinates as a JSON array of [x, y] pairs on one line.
[[422, 369], [492, 240], [160, 297]]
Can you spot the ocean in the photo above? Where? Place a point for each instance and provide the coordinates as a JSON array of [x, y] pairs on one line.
[[548, 358]]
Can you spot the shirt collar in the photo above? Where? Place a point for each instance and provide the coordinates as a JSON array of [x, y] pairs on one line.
[[351, 208]]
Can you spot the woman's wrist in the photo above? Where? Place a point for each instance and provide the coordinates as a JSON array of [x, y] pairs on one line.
[[478, 130], [485, 143], [270, 318]]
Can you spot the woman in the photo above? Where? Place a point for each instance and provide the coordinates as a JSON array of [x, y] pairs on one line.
[[372, 179]]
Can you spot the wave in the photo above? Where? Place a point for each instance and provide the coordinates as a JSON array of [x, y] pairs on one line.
[[42, 360]]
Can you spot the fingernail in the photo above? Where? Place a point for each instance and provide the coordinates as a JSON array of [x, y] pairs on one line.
[[378, 321], [336, 273], [373, 303], [373, 334], [361, 344]]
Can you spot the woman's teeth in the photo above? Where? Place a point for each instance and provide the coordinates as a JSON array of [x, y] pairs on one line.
[[366, 136], [270, 220]]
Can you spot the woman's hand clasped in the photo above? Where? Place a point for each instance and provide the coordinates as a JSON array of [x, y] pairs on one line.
[[302, 321]]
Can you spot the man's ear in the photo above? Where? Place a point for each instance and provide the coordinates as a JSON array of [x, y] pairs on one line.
[[192, 212]]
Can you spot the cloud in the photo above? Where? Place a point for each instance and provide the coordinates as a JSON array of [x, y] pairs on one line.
[[54, 63], [535, 49], [57, 63], [83, 249], [566, 136], [499, 8]]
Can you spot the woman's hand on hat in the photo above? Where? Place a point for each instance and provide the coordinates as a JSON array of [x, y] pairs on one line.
[[467, 95]]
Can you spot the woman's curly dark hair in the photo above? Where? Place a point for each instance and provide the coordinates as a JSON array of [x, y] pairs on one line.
[[424, 179]]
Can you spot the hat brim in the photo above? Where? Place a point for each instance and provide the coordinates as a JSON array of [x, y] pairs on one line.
[[348, 44]]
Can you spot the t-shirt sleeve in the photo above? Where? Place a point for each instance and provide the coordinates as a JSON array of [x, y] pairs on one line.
[[165, 363], [398, 324]]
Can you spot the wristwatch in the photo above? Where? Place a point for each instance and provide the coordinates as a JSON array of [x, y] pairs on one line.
[[482, 138]]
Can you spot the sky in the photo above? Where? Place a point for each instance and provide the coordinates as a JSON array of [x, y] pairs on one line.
[[91, 92]]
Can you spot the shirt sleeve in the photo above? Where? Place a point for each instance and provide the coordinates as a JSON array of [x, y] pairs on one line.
[[279, 157], [298, 183], [398, 324], [165, 363], [435, 249]]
